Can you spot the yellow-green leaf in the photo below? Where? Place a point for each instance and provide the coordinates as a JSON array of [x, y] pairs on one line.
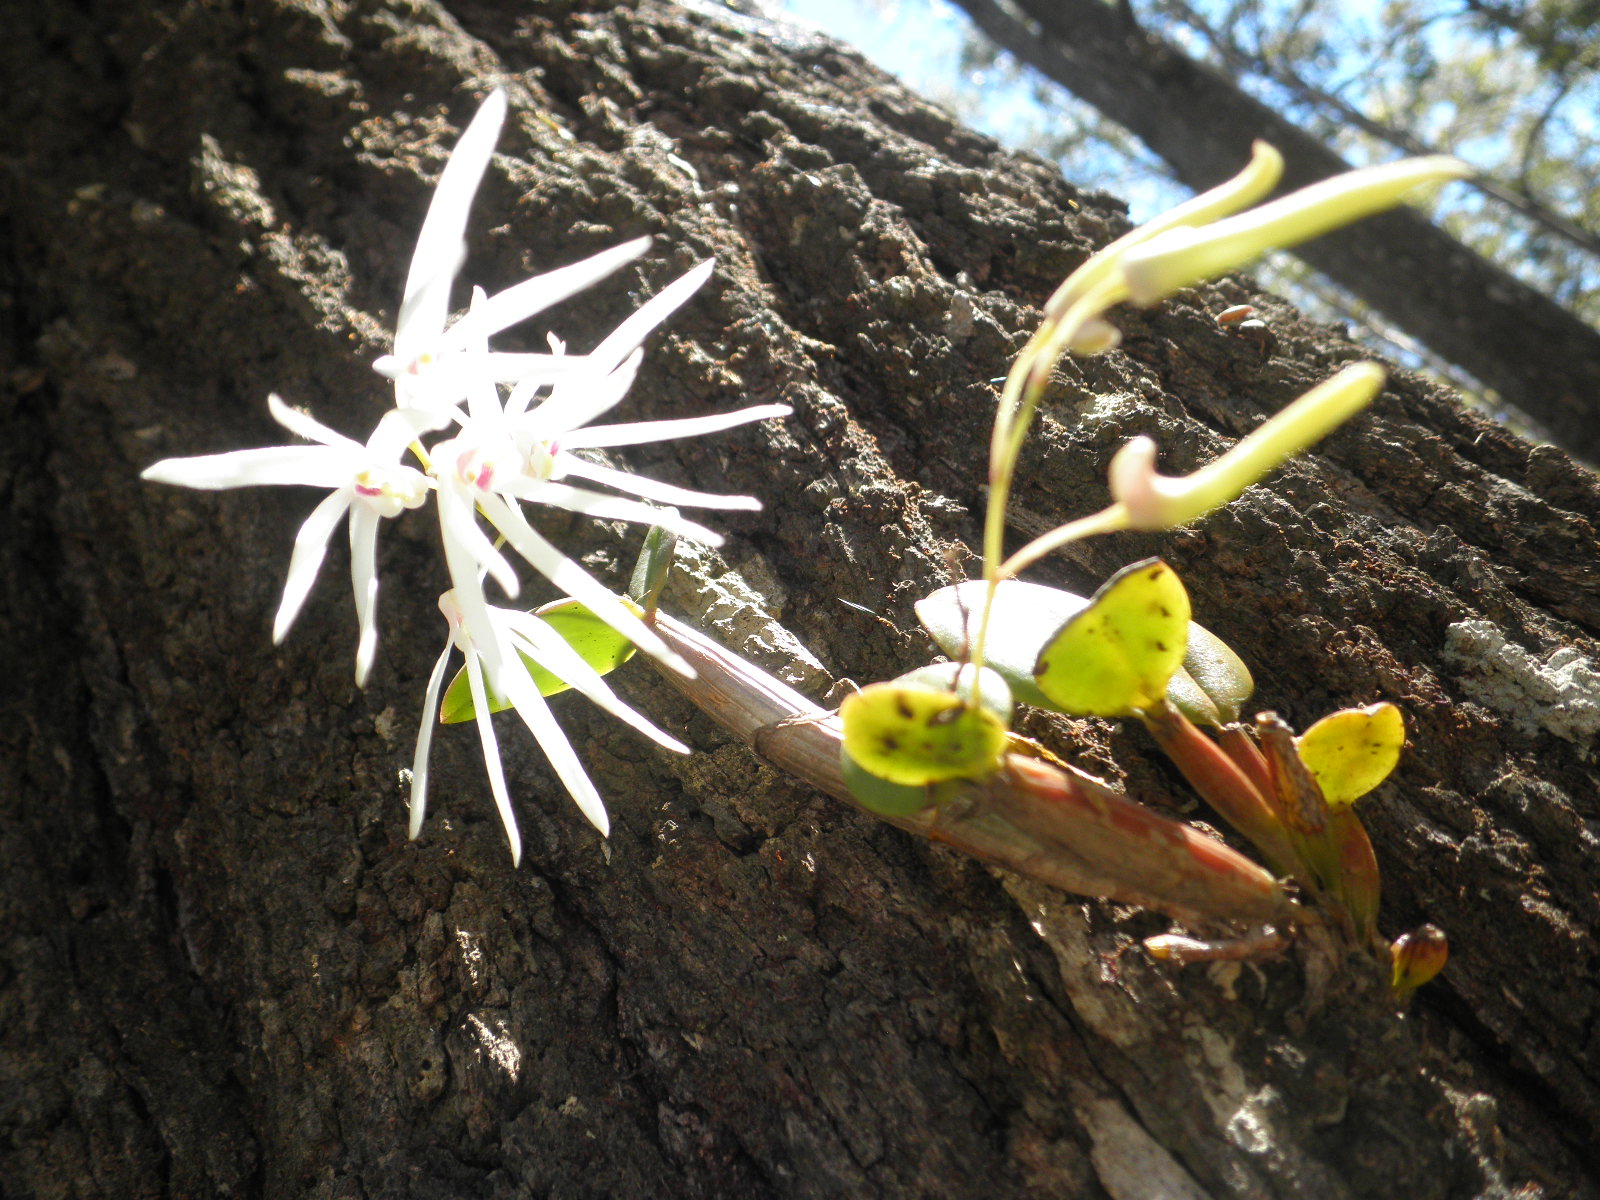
[[907, 732], [1351, 752], [599, 645], [1209, 689], [1118, 655]]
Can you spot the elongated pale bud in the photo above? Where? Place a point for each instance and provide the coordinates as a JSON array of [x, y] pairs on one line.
[[1155, 501], [1259, 176], [1149, 501], [1183, 256]]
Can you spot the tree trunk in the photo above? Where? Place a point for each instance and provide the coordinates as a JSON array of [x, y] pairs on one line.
[[227, 972], [1514, 340]]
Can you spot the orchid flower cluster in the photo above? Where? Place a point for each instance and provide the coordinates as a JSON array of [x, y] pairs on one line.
[[512, 425]]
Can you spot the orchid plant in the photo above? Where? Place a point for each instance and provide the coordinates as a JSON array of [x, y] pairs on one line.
[[924, 741], [933, 752]]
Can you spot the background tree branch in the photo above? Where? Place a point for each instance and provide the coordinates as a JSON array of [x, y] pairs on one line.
[[1540, 358], [227, 973]]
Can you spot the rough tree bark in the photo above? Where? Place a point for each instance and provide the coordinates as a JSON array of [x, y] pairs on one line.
[[226, 972], [1464, 308]]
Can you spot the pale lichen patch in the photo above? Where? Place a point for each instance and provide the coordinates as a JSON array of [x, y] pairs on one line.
[[1560, 695]]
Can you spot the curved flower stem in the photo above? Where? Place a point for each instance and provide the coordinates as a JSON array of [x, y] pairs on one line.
[[1108, 520], [1078, 329], [1073, 324], [1200, 239]]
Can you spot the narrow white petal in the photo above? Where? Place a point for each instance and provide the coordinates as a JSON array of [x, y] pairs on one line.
[[523, 300], [522, 394], [484, 405], [419, 760], [630, 335], [466, 579], [635, 432], [654, 489], [618, 356], [491, 757], [571, 407], [425, 307], [287, 466], [459, 528], [431, 402], [364, 579], [440, 244], [574, 581], [310, 546], [551, 651], [396, 429], [535, 714], [619, 508], [483, 397], [305, 425]]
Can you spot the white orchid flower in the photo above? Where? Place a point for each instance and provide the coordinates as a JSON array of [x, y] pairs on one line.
[[514, 634], [365, 481], [505, 454], [548, 433], [427, 361]]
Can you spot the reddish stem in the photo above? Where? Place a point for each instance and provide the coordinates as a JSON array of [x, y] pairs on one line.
[[1059, 826], [1223, 786]]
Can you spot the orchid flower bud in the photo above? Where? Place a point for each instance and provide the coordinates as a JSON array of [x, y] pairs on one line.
[[1155, 501], [1418, 956], [1179, 257], [1259, 176]]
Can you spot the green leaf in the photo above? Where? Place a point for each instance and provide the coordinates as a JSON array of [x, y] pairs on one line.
[[1117, 656], [908, 732], [599, 645], [1209, 689], [1212, 673], [879, 795], [1353, 751], [653, 565]]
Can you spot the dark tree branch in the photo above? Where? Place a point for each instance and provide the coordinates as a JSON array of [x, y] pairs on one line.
[[1516, 196], [1536, 355]]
